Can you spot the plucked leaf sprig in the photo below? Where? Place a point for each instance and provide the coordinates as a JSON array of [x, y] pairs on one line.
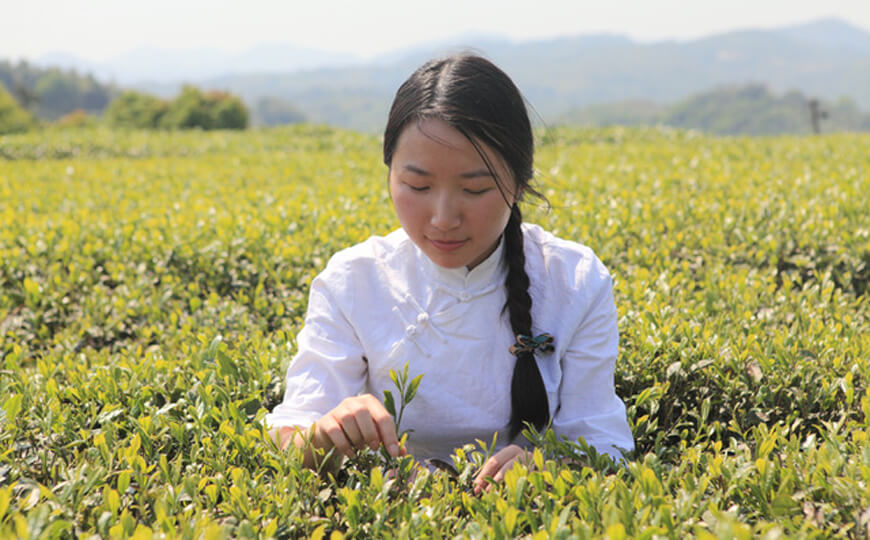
[[402, 468], [407, 391]]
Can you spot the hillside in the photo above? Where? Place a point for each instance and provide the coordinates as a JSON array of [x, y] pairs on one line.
[[598, 79], [732, 110], [826, 60]]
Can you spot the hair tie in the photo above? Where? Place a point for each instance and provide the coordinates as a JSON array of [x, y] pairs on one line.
[[529, 344]]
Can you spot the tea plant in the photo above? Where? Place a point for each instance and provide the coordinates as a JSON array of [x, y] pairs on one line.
[[151, 286], [407, 391]]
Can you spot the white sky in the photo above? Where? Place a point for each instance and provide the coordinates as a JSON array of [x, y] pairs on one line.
[[101, 29]]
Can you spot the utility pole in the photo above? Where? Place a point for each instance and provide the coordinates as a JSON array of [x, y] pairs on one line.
[[816, 114]]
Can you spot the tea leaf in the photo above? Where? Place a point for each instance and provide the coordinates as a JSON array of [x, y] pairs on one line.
[[388, 403], [412, 388]]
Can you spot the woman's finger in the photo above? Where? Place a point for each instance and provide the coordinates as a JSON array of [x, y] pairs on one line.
[[284, 436], [358, 422], [368, 432], [499, 476], [332, 428], [386, 429], [352, 432], [489, 468], [496, 466]]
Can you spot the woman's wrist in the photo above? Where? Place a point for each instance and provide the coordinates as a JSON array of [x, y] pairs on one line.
[[314, 448]]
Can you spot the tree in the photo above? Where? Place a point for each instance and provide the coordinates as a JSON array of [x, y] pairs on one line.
[[13, 118], [229, 111], [58, 94], [136, 110], [76, 119], [188, 110], [193, 108]]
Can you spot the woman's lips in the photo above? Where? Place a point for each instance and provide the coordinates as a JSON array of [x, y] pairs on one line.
[[444, 245]]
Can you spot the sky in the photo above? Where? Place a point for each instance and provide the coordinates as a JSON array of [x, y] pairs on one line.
[[99, 30]]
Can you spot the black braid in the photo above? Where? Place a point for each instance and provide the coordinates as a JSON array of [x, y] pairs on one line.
[[528, 394], [479, 100]]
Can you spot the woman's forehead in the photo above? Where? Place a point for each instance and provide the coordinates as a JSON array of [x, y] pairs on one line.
[[436, 140]]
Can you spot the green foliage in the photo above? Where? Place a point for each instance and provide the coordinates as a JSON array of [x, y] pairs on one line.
[[753, 110], [190, 109], [229, 111], [743, 110], [50, 93], [194, 108], [77, 119], [407, 390], [57, 94], [135, 110], [13, 118], [151, 284]]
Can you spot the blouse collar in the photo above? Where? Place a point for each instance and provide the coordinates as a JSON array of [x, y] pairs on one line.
[[489, 271]]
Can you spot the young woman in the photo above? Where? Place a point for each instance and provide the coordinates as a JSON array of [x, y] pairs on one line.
[[507, 323]]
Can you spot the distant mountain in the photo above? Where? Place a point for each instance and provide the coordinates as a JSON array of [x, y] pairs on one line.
[[826, 59], [830, 33], [169, 66]]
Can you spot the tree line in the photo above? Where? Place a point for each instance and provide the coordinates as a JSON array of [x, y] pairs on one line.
[[50, 93], [192, 108], [750, 109], [31, 96]]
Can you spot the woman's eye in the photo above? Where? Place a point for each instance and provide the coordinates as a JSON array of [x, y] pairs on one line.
[[418, 188], [477, 192]]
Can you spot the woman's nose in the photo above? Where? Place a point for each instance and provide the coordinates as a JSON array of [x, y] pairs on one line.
[[446, 214]]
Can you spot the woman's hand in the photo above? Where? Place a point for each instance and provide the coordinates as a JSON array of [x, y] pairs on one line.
[[499, 464], [356, 423]]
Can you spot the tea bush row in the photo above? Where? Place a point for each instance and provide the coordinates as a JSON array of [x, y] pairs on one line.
[[151, 286]]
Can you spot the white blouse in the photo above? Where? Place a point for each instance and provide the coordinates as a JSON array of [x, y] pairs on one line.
[[383, 302]]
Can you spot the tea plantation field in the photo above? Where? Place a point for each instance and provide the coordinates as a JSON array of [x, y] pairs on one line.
[[151, 285]]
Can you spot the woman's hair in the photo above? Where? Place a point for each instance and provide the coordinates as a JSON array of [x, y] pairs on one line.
[[480, 101]]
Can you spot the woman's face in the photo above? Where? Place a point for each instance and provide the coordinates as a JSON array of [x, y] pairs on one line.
[[445, 197]]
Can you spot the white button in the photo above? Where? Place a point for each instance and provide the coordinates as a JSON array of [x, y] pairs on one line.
[[465, 297], [422, 318], [411, 330]]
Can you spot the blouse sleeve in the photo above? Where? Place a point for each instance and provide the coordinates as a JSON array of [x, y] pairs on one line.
[[588, 404], [328, 367]]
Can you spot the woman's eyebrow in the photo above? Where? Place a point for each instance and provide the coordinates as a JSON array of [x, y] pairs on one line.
[[476, 173], [416, 170]]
